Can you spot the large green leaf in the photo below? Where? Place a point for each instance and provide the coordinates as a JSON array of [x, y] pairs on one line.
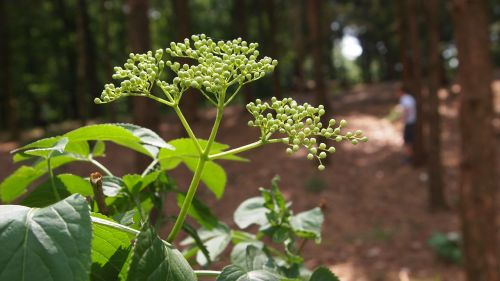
[[16, 183], [251, 211], [154, 259], [237, 273], [48, 244], [323, 274], [110, 249], [66, 184], [128, 135], [215, 240], [308, 224]]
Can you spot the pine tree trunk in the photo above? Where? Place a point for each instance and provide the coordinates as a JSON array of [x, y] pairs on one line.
[[478, 179], [436, 195], [419, 154], [87, 83], [11, 105], [240, 23], [273, 45], [145, 111], [316, 46], [190, 99]]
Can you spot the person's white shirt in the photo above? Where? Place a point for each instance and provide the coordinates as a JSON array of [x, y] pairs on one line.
[[409, 106]]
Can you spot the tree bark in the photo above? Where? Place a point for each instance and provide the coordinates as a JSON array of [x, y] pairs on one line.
[[11, 106], [240, 23], [273, 44], [86, 71], [190, 99], [145, 111], [436, 194], [316, 47], [298, 34], [478, 178], [419, 155]]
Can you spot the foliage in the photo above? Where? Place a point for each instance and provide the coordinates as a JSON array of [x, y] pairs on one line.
[[51, 235], [447, 246]]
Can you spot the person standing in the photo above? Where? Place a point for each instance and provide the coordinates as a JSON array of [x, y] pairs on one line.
[[408, 107]]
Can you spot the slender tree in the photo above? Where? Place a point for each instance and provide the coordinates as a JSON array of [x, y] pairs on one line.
[[316, 46], [437, 199], [273, 43], [145, 111], [183, 22], [11, 107], [240, 23], [478, 178], [86, 69], [416, 81]]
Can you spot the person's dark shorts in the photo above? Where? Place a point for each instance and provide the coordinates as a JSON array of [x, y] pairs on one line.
[[408, 133]]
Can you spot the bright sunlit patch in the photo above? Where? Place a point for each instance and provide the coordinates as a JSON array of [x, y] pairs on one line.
[[350, 47]]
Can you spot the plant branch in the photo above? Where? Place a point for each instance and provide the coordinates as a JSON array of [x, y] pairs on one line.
[[114, 225], [198, 172], [52, 181], [242, 148], [188, 129], [100, 166], [149, 167], [96, 182], [207, 273]]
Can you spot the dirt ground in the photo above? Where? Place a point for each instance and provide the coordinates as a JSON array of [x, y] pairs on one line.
[[376, 223]]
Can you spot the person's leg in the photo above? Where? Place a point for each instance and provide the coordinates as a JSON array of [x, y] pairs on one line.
[[408, 142]]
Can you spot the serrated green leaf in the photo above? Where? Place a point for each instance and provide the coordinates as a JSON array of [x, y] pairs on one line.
[[323, 274], [98, 149], [66, 184], [48, 244], [251, 211], [154, 260], [216, 241], [110, 250], [236, 273], [239, 253], [16, 183], [47, 152], [308, 224]]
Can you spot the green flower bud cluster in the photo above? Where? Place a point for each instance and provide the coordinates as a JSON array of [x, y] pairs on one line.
[[213, 67], [301, 126], [138, 76], [220, 64]]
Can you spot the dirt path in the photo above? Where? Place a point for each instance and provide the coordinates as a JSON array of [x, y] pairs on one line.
[[377, 224]]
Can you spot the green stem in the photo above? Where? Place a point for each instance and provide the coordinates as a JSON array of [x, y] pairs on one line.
[[198, 172], [207, 273], [114, 225], [53, 183], [242, 148], [186, 126], [149, 168], [187, 201], [100, 166]]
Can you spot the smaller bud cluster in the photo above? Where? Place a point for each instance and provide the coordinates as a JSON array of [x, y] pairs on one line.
[[138, 76], [301, 125], [220, 64]]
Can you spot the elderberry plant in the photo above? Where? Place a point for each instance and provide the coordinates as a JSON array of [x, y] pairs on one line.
[[90, 233]]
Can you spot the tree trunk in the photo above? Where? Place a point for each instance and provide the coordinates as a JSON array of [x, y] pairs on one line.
[[189, 102], [478, 180], [419, 154], [10, 101], [298, 35], [145, 111], [316, 46], [86, 71], [241, 30], [273, 44], [406, 75], [106, 50], [437, 199]]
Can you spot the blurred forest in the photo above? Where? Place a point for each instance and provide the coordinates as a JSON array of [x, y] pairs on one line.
[[56, 55]]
